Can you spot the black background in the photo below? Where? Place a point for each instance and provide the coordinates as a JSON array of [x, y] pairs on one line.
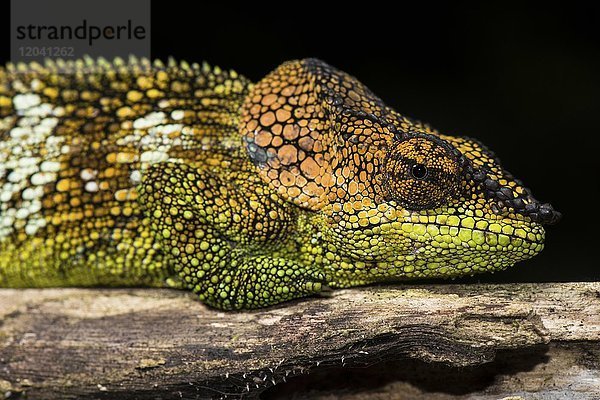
[[525, 81]]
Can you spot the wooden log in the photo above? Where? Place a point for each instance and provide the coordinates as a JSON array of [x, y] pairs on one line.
[[153, 343]]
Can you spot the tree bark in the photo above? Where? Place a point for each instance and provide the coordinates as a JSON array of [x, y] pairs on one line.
[[154, 343]]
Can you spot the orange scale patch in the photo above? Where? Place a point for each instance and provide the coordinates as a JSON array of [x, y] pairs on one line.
[[303, 99], [306, 143], [291, 131], [255, 109], [301, 181], [312, 188], [288, 90], [316, 133], [267, 119], [310, 168], [288, 154], [346, 172], [268, 99], [277, 129], [304, 131], [277, 141], [283, 115], [252, 125], [263, 138], [273, 175], [287, 178], [294, 191], [341, 193], [318, 147], [327, 180]]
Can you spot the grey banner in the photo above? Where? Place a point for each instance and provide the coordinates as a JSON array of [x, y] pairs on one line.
[[70, 29]]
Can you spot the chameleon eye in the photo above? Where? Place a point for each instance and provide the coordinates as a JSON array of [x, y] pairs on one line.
[[421, 172]]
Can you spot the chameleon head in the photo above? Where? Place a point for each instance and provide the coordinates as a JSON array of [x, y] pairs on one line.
[[390, 196], [449, 202]]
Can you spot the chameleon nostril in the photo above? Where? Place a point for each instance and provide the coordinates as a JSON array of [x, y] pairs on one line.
[[548, 215], [542, 213], [518, 203]]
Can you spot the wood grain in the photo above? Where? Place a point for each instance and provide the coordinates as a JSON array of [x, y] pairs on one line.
[[153, 343]]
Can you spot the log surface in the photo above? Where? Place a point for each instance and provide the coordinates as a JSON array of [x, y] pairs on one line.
[[154, 343]]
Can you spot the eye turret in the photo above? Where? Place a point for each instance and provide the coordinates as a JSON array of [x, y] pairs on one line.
[[421, 172]]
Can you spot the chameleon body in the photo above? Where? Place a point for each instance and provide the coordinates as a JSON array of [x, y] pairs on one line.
[[132, 173]]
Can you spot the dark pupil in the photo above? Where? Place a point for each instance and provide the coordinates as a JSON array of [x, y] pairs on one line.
[[419, 171]]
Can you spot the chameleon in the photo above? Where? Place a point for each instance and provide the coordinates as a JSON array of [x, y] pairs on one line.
[[134, 172]]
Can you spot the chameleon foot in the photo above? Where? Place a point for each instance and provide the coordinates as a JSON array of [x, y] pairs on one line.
[[260, 281]]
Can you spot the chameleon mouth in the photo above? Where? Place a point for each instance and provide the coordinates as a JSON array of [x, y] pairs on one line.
[[444, 237], [445, 248], [480, 236], [485, 246], [478, 229], [518, 246]]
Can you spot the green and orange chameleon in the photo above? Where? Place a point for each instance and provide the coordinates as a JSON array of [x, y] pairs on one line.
[[132, 173]]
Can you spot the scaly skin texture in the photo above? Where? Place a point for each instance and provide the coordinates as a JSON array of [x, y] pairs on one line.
[[131, 173]]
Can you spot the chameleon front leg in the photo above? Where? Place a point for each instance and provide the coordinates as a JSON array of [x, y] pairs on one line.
[[221, 234]]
